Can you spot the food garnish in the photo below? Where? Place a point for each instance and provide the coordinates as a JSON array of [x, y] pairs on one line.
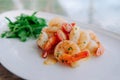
[[25, 26]]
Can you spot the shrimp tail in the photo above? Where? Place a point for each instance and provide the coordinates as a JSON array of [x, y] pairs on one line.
[[100, 50], [44, 54]]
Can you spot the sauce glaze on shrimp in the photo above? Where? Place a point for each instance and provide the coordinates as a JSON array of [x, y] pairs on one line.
[[68, 43]]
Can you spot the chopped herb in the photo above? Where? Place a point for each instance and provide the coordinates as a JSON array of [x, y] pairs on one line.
[[58, 54], [84, 42], [75, 28], [70, 48], [24, 27]]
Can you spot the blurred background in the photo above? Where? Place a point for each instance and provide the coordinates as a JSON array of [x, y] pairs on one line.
[[103, 13]]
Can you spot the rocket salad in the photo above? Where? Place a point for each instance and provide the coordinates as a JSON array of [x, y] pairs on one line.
[[25, 26]]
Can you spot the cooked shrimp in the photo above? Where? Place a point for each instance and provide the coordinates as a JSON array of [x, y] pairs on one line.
[[74, 34], [87, 39], [79, 36], [94, 45], [68, 52], [56, 22], [46, 43], [67, 43], [43, 38], [84, 39], [51, 31], [93, 36]]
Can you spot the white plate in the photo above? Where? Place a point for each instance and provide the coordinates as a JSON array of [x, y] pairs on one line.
[[23, 59]]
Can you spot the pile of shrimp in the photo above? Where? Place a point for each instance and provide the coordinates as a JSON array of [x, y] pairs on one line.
[[68, 43]]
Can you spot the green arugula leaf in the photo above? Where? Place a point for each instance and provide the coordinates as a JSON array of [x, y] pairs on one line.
[[25, 27]]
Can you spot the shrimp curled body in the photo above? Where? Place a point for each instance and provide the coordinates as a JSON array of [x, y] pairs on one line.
[[87, 39], [68, 52]]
